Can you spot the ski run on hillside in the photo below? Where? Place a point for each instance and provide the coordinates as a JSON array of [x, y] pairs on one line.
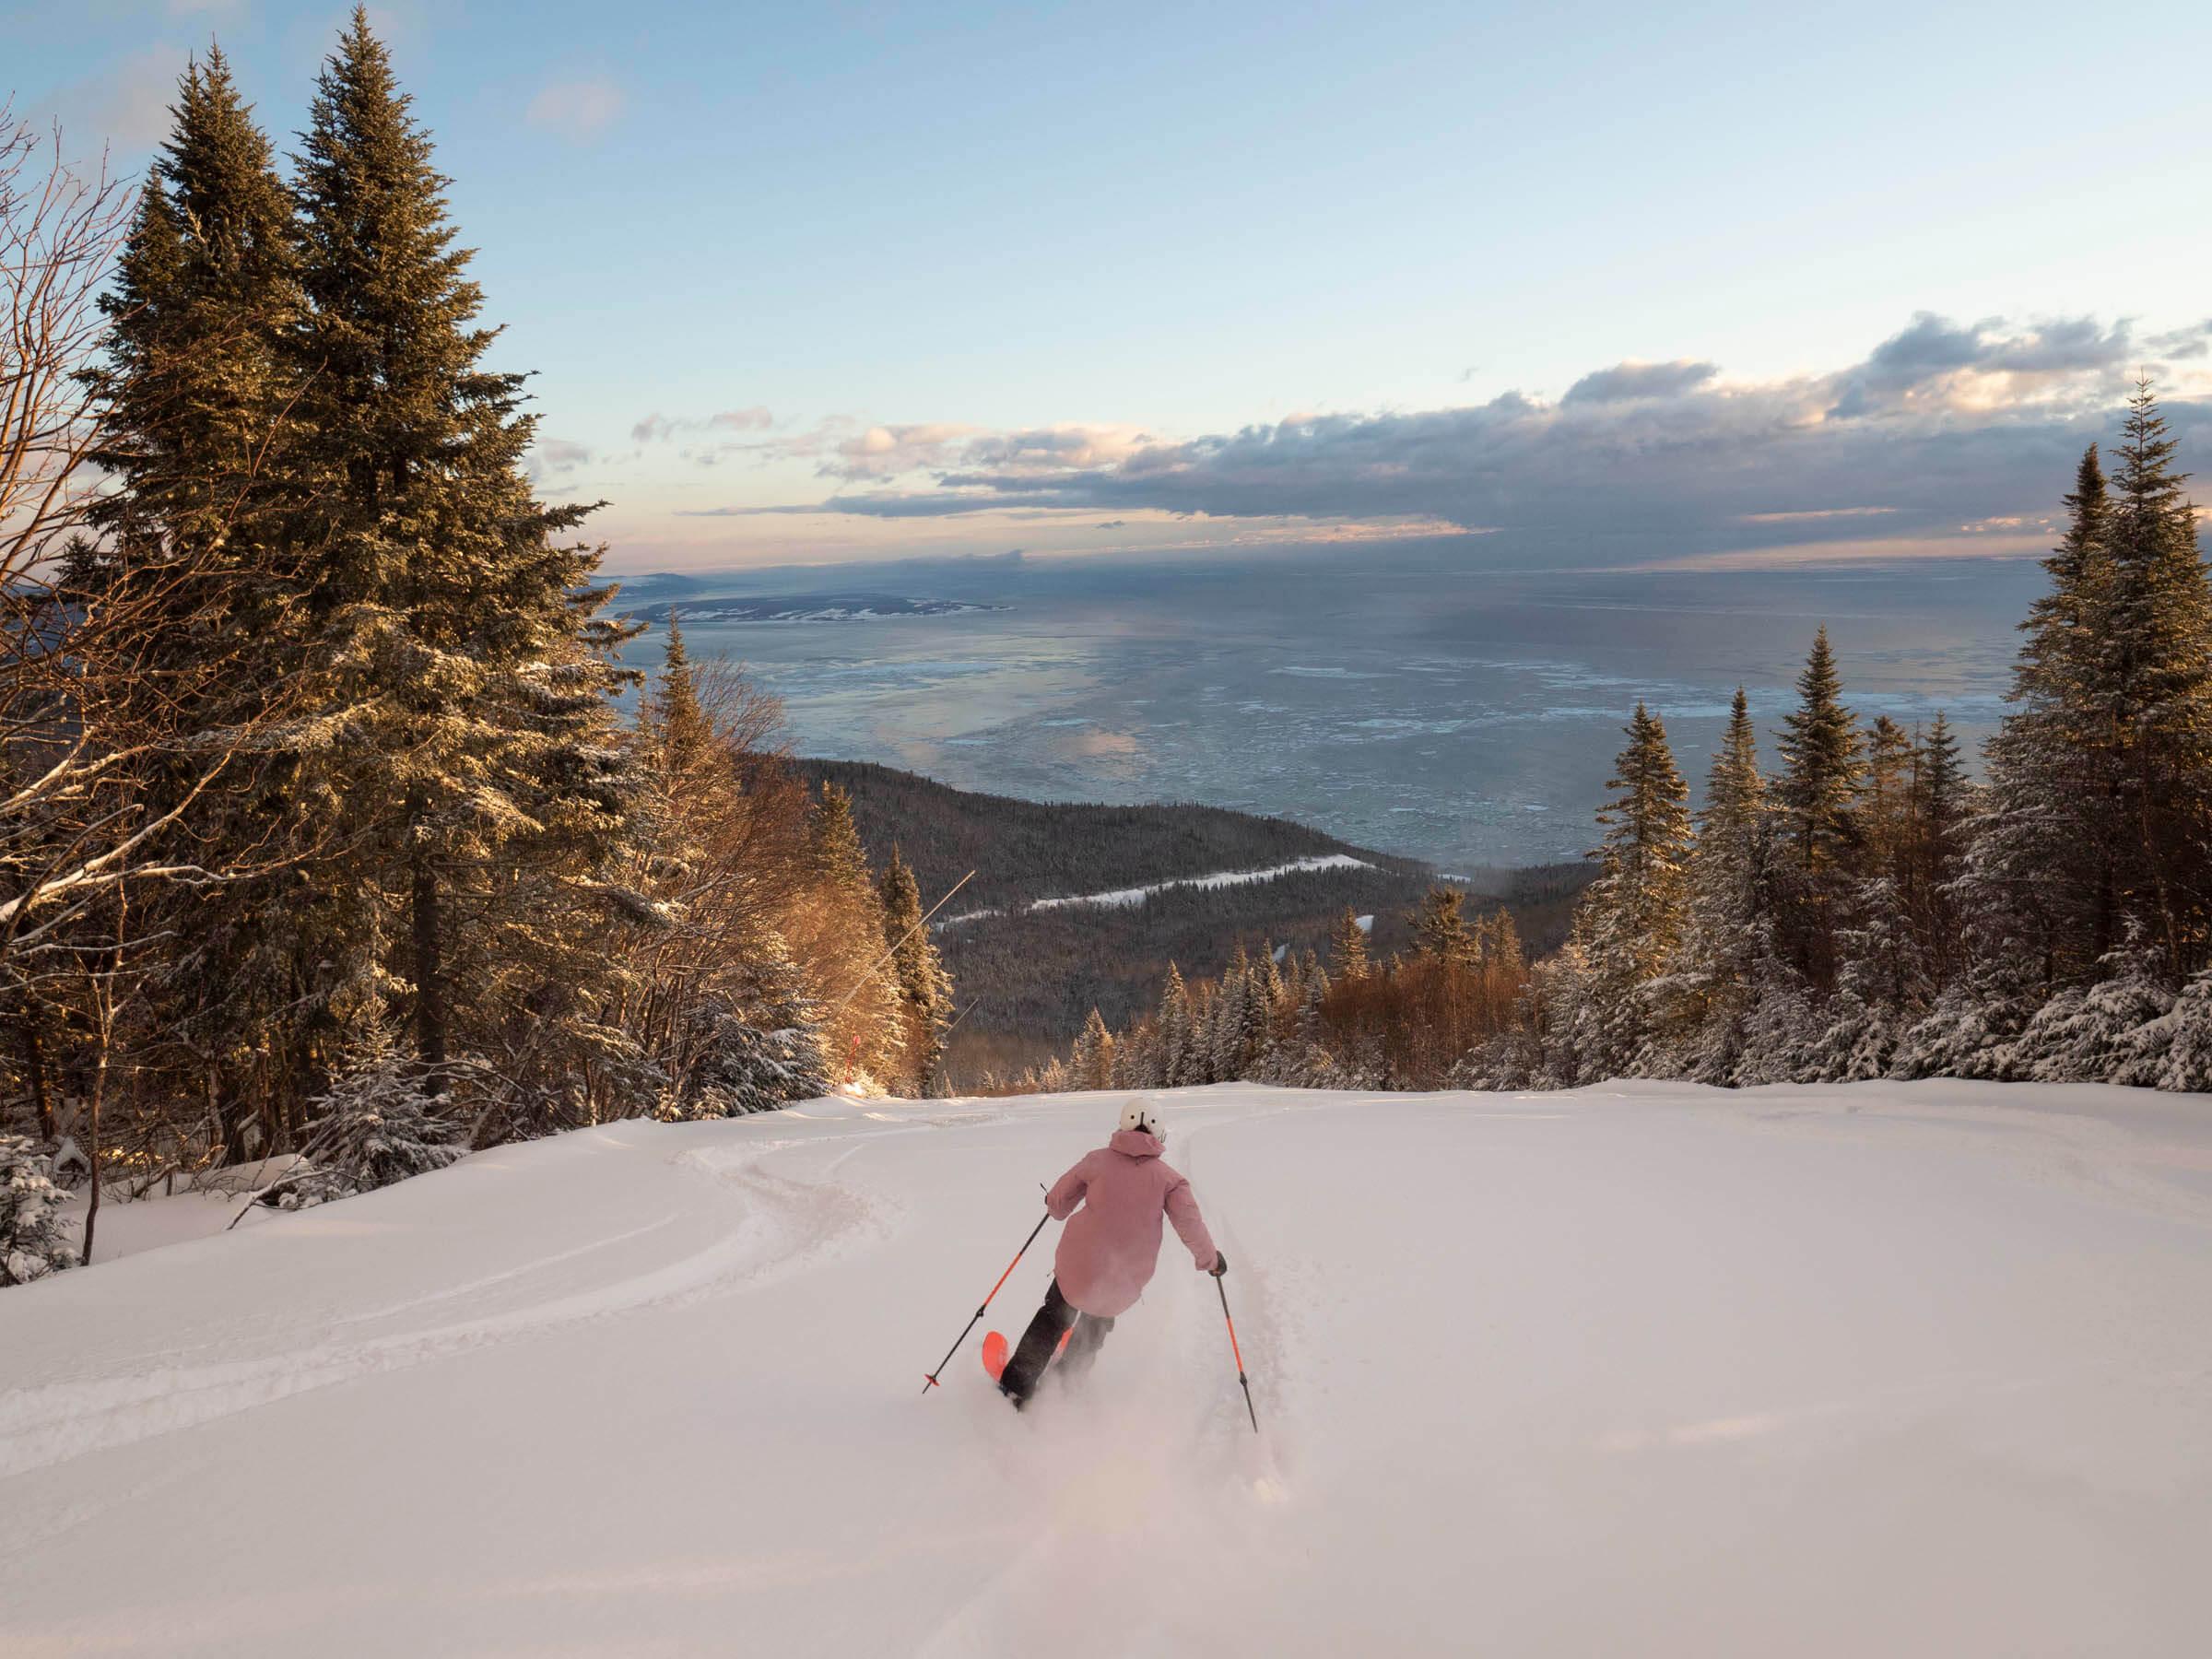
[[1643, 1369]]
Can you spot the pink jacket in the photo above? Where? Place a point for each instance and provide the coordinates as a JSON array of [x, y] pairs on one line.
[[1107, 1255]]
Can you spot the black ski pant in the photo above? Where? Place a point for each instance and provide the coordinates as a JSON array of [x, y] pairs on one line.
[[1035, 1350]]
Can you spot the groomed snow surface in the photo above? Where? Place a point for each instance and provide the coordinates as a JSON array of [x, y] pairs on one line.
[[1639, 1370]]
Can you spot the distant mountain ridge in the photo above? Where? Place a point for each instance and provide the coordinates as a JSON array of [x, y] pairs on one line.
[[804, 608]]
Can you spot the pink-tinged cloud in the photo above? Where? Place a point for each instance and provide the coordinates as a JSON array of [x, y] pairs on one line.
[[577, 109], [1943, 426]]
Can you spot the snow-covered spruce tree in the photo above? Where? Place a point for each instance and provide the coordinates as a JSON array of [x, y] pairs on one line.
[[1572, 1015], [2173, 1052], [1264, 1007], [1704, 998], [755, 1039], [1090, 1062], [1929, 865], [194, 554], [1348, 947], [1883, 987], [32, 1240], [2156, 672], [1297, 1057], [1173, 1025], [836, 933], [382, 1119], [1817, 799], [1440, 927], [2091, 1034], [1637, 908], [1229, 1023], [1135, 1056], [2039, 889], [1884, 980], [471, 753], [1783, 1029], [924, 988]]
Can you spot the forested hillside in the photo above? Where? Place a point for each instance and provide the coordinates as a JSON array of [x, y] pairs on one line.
[[1023, 850], [1027, 979]]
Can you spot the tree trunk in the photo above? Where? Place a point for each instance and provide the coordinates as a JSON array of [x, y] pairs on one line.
[[34, 1066], [100, 1087], [430, 990]]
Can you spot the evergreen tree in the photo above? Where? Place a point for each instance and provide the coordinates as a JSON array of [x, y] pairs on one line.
[[1822, 769], [2157, 674], [684, 736], [1706, 995], [1229, 1022], [1314, 998], [845, 939], [1348, 947], [1440, 927], [1817, 796], [34, 1241], [1941, 803], [2058, 661], [196, 385], [1502, 953], [1885, 811], [2039, 889], [476, 765], [380, 1123], [1090, 1062], [924, 988], [194, 552], [1175, 1024], [1638, 906], [756, 1038]]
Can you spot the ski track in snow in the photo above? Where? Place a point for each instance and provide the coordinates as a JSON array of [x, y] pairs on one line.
[[783, 1222]]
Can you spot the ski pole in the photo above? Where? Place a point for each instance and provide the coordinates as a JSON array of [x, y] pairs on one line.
[[1003, 1278], [1239, 1352]]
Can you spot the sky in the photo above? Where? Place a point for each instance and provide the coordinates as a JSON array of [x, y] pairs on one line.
[[836, 281]]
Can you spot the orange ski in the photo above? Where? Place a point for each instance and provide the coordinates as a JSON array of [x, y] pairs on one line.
[[997, 1353]]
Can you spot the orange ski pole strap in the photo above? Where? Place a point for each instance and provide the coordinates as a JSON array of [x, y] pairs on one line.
[[930, 1382], [1238, 1353]]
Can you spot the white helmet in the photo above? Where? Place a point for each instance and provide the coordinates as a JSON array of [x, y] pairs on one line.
[[1143, 1112]]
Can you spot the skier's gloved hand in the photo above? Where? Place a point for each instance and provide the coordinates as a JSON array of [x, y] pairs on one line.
[[1220, 1265]]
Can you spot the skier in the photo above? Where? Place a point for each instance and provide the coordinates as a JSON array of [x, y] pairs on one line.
[[1110, 1249]]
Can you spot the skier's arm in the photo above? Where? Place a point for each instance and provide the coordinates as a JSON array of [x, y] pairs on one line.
[[1190, 1226], [1067, 1192]]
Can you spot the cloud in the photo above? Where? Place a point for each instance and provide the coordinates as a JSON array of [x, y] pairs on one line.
[[1625, 380], [2183, 345], [886, 451], [125, 105], [1941, 424], [577, 110], [659, 428], [1934, 363], [552, 456]]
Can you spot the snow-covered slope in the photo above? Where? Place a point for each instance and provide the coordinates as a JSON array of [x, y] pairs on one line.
[[1122, 898], [1918, 1369]]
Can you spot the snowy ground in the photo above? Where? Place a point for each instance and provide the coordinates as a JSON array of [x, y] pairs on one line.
[[1651, 1370]]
